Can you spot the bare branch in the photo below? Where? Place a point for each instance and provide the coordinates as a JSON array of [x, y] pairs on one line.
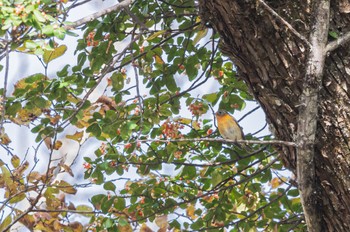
[[283, 21], [275, 142], [338, 42], [3, 99], [98, 14]]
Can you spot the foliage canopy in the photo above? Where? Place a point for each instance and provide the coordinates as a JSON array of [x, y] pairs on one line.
[[148, 62]]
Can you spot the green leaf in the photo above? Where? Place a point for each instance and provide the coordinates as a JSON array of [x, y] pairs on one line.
[[30, 44], [191, 67], [216, 177], [39, 16], [60, 33], [188, 172], [293, 192], [17, 198], [170, 83], [57, 52], [6, 222], [120, 204], [117, 81], [94, 129], [109, 186], [48, 30], [333, 34], [13, 108], [211, 97], [85, 208]]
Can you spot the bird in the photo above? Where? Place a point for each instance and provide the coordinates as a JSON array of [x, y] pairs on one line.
[[228, 126]]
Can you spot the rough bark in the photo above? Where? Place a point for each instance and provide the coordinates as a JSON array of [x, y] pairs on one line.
[[308, 112], [272, 60]]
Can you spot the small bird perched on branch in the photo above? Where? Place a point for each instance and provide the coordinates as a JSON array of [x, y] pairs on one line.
[[228, 126]]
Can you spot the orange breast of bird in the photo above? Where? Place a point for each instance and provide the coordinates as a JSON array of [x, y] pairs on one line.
[[228, 127]]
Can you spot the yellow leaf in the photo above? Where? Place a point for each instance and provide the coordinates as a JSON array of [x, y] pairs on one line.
[[77, 136], [196, 125], [7, 221], [185, 120], [57, 52], [73, 99], [15, 161], [5, 139], [275, 182], [54, 120], [156, 34], [295, 201], [158, 59], [58, 145], [200, 35], [190, 211], [17, 198]]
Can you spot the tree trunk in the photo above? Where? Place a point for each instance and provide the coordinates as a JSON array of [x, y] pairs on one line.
[[271, 52]]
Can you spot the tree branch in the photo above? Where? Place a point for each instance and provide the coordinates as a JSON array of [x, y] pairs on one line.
[[276, 142], [284, 22], [98, 14], [338, 42], [308, 112], [3, 97]]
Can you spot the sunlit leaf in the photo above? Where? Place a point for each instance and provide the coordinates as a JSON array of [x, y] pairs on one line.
[[57, 52], [156, 34], [190, 211], [200, 35], [6, 222], [15, 160], [17, 198]]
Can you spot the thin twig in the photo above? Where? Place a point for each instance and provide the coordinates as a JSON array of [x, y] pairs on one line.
[[98, 14], [283, 21], [248, 113]]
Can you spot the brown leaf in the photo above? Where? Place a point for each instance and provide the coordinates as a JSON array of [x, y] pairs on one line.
[[162, 221], [145, 228], [65, 187], [5, 139], [67, 169], [47, 141], [34, 177]]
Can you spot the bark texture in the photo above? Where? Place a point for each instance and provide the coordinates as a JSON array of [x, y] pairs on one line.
[[272, 60]]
